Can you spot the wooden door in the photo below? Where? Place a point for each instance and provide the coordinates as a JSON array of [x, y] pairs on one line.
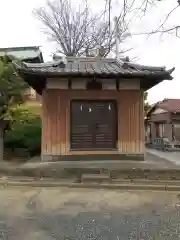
[[93, 125], [104, 126], [81, 126]]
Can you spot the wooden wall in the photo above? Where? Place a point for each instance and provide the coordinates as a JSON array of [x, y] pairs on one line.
[[56, 119]]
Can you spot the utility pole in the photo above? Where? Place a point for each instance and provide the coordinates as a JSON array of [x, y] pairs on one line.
[[116, 36]]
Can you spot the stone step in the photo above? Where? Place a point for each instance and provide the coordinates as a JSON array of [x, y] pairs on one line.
[[102, 177], [147, 182], [95, 185], [114, 181]]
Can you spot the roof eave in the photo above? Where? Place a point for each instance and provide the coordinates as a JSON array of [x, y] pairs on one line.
[[148, 80], [158, 78], [162, 76]]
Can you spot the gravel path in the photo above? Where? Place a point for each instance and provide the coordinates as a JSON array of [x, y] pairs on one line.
[[79, 214]]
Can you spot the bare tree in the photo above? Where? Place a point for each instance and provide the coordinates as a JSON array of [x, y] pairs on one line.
[[141, 7], [162, 27], [78, 31]]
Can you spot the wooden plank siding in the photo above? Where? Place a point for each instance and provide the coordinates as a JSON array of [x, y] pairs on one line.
[[131, 124], [56, 120]]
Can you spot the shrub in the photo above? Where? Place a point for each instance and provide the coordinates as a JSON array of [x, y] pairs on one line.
[[25, 133]]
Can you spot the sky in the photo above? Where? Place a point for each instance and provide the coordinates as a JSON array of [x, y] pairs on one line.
[[20, 28]]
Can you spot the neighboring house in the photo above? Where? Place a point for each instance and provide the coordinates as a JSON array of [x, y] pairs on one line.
[[31, 54], [92, 108], [163, 120]]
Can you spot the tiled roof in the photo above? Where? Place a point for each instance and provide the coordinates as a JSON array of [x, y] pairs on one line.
[[170, 105], [22, 53], [94, 66]]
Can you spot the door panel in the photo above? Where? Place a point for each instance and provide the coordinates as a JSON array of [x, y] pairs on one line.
[[105, 123], [93, 125], [81, 126]]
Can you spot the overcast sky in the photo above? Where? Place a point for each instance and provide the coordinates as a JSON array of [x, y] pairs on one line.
[[19, 28]]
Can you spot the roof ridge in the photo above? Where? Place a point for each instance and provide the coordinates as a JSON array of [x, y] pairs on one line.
[[169, 104], [165, 100], [91, 59], [146, 67], [42, 65], [19, 48], [172, 99]]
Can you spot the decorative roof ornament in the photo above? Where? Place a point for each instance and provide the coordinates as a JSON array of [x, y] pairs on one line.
[[62, 60], [56, 57], [101, 51]]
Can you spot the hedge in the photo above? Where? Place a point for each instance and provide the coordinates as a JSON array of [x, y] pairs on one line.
[[25, 133]]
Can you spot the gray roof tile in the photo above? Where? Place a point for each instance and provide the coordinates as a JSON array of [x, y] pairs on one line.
[[92, 66]]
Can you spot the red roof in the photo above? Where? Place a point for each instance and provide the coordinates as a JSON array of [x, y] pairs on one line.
[[170, 105]]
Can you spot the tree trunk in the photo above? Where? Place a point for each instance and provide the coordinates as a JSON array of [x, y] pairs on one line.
[[4, 124], [1, 144]]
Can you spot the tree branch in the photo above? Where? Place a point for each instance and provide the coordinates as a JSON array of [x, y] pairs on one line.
[[79, 32], [162, 26]]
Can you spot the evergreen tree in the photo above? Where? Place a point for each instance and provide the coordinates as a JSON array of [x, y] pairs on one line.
[[147, 106], [12, 89]]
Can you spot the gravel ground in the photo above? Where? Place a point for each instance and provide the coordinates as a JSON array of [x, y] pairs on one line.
[[74, 214]]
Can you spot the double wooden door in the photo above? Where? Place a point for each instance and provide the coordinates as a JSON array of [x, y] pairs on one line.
[[93, 125]]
